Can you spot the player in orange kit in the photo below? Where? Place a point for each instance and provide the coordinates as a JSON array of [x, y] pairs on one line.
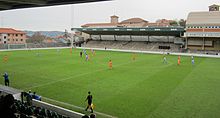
[[5, 58], [178, 62], [133, 56], [110, 64]]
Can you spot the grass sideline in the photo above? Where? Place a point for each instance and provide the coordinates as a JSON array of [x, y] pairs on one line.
[[144, 87]]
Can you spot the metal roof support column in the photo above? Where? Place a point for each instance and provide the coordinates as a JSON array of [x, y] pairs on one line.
[[90, 36], [148, 38], [100, 37], [180, 34], [203, 46], [186, 43], [130, 38], [168, 40], [114, 38]]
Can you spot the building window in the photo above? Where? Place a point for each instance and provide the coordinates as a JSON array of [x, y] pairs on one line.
[[8, 39], [21, 34], [21, 39], [13, 39], [16, 39], [16, 34], [8, 34], [0, 39], [4, 37]]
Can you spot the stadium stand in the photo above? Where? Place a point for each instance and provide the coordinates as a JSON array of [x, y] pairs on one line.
[[11, 106], [135, 45]]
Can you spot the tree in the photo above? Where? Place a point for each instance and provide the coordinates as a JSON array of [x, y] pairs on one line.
[[182, 22], [174, 23], [36, 38]]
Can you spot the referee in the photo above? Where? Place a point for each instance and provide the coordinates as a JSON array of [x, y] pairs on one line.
[[89, 99]]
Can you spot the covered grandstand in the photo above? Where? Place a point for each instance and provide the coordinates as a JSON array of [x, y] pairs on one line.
[[133, 33], [144, 38], [203, 31]]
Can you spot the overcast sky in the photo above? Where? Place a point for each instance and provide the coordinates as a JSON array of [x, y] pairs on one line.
[[59, 18]]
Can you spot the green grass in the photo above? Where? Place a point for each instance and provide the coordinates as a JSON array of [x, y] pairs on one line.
[[144, 88]]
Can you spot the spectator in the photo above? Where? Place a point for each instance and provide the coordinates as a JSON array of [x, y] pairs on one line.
[[6, 104], [92, 115], [29, 97], [36, 97]]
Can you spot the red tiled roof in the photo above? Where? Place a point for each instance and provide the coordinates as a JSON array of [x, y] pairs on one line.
[[114, 16], [158, 24], [214, 5], [207, 18], [60, 37], [10, 31], [99, 24], [49, 41], [134, 20]]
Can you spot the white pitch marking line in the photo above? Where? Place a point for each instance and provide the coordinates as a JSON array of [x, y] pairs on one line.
[[81, 108]]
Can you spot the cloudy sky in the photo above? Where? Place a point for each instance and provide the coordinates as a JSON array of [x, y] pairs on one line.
[[59, 18]]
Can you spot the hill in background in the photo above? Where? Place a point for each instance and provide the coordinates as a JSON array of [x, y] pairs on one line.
[[51, 34]]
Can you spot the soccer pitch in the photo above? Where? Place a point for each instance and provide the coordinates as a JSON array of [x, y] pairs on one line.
[[140, 88]]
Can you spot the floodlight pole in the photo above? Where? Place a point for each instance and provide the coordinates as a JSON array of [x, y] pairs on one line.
[[72, 36], [71, 42]]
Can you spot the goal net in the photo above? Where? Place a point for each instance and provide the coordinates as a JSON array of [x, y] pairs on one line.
[[17, 46]]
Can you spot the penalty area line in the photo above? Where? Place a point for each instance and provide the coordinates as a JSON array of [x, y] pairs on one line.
[[77, 107]]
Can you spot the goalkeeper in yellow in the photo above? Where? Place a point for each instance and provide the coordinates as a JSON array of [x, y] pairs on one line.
[[89, 99]]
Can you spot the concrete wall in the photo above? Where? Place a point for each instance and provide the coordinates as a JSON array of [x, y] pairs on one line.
[[57, 109]]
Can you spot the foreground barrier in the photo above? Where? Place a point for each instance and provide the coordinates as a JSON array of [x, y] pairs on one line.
[[17, 95]]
